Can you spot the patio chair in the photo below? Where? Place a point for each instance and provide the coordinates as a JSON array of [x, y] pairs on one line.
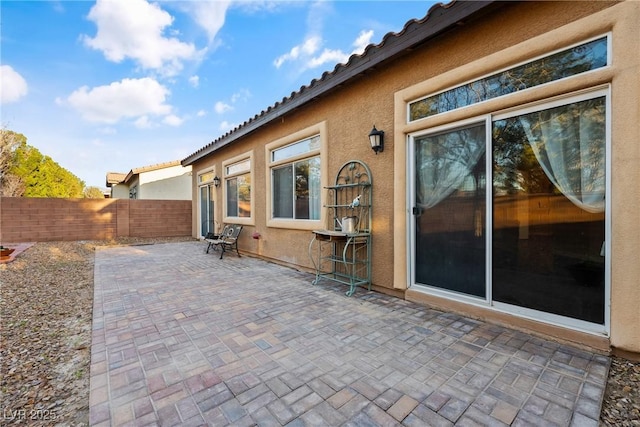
[[211, 238], [228, 239]]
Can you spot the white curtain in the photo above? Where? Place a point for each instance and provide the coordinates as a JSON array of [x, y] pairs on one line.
[[569, 144], [444, 162]]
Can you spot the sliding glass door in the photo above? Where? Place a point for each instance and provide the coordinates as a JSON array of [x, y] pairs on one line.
[[549, 210], [449, 212], [546, 209], [207, 218]]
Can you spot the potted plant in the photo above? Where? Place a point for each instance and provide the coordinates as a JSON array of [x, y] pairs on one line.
[[4, 251]]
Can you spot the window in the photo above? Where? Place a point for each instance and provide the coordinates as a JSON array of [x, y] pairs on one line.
[[238, 189], [570, 62], [295, 180], [206, 177]]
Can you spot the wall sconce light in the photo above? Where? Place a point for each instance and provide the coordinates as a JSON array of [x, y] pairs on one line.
[[216, 181], [376, 138]]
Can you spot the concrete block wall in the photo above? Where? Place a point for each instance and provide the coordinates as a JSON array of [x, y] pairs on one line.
[[153, 218], [46, 219]]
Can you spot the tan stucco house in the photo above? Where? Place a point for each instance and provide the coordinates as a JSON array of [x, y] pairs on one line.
[[506, 188], [162, 181]]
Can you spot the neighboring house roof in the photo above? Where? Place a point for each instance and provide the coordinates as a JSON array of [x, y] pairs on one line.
[[123, 178], [114, 178], [439, 19]]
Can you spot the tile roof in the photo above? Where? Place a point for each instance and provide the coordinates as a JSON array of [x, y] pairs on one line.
[[118, 178], [115, 178], [440, 18], [155, 167]]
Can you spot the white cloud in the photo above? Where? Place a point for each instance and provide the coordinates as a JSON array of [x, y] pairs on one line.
[[172, 120], [134, 29], [310, 53], [129, 98], [108, 130], [335, 56], [194, 81], [201, 113], [13, 85], [319, 11], [143, 123], [226, 126], [210, 15], [363, 40], [327, 56], [242, 95], [305, 49], [255, 6], [222, 107]]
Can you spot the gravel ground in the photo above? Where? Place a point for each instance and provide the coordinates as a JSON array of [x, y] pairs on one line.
[[46, 303]]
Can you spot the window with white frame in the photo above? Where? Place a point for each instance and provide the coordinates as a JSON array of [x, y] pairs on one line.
[[206, 177], [237, 182], [295, 180], [573, 61]]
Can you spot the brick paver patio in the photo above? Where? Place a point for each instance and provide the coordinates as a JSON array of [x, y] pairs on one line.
[[181, 337]]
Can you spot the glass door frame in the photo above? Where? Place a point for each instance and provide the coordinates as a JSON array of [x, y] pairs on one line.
[[210, 208], [488, 302], [411, 218], [205, 180]]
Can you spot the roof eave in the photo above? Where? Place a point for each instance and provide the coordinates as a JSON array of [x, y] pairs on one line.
[[439, 19], [129, 176]]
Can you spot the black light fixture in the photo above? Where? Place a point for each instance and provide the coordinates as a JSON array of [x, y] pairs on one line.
[[376, 138], [216, 181]]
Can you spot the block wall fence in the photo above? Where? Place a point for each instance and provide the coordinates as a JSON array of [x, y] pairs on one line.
[[46, 219]]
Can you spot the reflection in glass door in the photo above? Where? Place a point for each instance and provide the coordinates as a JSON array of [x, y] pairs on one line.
[[449, 212], [548, 217], [549, 210], [207, 219]]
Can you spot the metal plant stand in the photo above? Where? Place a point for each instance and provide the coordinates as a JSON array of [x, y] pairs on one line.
[[342, 252]]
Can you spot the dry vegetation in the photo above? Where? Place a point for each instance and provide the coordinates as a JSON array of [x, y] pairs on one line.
[[46, 305]]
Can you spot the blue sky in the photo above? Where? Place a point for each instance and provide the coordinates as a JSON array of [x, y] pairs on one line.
[[109, 86]]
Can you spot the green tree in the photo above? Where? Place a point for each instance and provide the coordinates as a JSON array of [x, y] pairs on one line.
[[40, 174], [10, 185], [93, 193]]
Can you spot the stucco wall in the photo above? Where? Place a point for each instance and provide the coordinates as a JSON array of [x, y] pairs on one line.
[[171, 183], [119, 191], [539, 38], [370, 101], [347, 139], [625, 175], [174, 188], [40, 219], [516, 33]]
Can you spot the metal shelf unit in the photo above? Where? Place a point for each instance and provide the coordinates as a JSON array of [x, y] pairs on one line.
[[342, 252]]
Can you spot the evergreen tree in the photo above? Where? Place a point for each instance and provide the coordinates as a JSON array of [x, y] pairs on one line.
[[10, 185], [40, 174], [93, 193]]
